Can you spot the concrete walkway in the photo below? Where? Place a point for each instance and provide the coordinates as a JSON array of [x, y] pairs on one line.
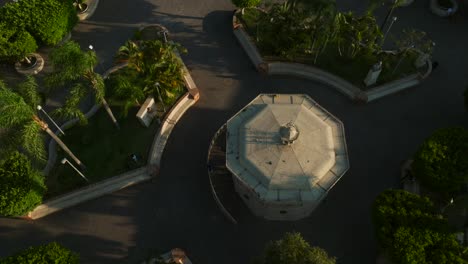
[[178, 210]]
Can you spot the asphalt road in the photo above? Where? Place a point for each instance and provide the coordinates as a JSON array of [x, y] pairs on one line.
[[178, 210]]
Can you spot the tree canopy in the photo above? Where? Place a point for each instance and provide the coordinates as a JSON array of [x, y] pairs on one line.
[[21, 187], [441, 162], [413, 231], [44, 254], [293, 249]]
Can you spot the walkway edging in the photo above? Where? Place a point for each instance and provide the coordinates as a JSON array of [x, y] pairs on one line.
[[92, 5], [316, 74], [213, 191], [128, 178]]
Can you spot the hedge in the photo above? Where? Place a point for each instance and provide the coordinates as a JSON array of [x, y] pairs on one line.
[[44, 254], [21, 187], [14, 43], [47, 21], [395, 208], [410, 228], [441, 162], [246, 3]]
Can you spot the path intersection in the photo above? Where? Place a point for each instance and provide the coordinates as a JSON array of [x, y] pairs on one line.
[[178, 210]]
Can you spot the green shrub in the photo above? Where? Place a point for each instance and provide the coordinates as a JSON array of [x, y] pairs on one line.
[[441, 162], [246, 3], [14, 43], [46, 20], [395, 208], [21, 187], [293, 249], [423, 245], [45, 254]]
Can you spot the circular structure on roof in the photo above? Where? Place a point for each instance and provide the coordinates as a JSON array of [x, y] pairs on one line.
[[289, 133], [281, 172]]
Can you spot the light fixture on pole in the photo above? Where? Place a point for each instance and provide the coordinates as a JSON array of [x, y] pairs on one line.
[[39, 107], [159, 94], [64, 160], [445, 207], [388, 30], [91, 47]]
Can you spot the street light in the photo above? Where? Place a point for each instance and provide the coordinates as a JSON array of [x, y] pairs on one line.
[[445, 207], [39, 107], [402, 57], [64, 160], [159, 94], [90, 47], [388, 29]]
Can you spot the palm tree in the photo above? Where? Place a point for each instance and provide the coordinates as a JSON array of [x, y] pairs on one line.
[[71, 64], [158, 68], [21, 123]]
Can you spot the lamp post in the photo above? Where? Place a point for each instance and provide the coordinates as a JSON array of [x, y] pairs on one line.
[[388, 30], [39, 107], [445, 207], [159, 94], [402, 57], [64, 160], [395, 3], [165, 36], [99, 62]]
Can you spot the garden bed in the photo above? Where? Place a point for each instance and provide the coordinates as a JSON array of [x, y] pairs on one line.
[[103, 149], [353, 70]]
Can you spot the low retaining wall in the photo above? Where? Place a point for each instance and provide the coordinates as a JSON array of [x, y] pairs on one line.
[[92, 5], [126, 179], [90, 192], [213, 191], [312, 73], [53, 145]]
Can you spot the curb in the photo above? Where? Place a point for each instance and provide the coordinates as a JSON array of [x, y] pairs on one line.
[[213, 191], [315, 74], [89, 192], [92, 5], [126, 179]]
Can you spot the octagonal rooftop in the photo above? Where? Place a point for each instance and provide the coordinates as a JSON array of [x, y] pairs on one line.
[[286, 148]]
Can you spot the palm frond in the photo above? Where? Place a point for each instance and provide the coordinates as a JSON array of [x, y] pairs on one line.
[[33, 141], [13, 109], [28, 90], [71, 107], [97, 84], [70, 63]]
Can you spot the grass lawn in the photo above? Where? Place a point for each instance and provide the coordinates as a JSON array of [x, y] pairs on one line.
[[353, 70], [103, 149]]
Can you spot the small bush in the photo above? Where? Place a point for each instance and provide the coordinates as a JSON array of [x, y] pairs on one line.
[[46, 20], [395, 208], [21, 187], [441, 163], [45, 254], [246, 3], [15, 44]]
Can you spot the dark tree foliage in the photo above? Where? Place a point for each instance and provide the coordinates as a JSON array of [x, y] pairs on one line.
[[21, 187], [441, 162], [46, 20], [14, 43], [246, 3], [293, 249], [44, 254], [395, 208], [413, 232]]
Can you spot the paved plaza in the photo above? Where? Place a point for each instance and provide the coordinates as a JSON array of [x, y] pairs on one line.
[[178, 210]]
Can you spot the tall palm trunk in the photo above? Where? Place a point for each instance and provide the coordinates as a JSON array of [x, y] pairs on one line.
[[90, 76], [46, 128], [109, 112]]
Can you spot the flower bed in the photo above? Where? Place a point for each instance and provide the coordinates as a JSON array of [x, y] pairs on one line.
[[394, 65]]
